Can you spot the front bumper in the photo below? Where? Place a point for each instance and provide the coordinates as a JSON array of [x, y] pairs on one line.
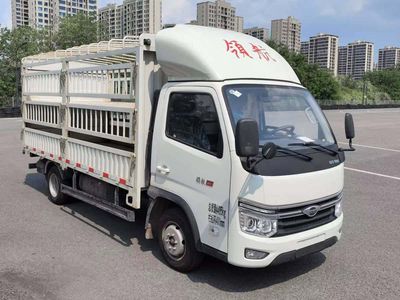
[[280, 249], [293, 255]]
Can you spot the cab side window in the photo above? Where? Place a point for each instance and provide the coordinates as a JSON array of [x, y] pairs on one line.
[[193, 120]]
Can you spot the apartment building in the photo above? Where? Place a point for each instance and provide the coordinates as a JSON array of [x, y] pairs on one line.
[[219, 14], [110, 25], [258, 32], [389, 57], [20, 13], [48, 13], [287, 32], [132, 17], [305, 49], [322, 50], [239, 24], [358, 58], [342, 60]]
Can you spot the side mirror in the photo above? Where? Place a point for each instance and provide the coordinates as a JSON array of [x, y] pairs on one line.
[[247, 138], [350, 132], [349, 126]]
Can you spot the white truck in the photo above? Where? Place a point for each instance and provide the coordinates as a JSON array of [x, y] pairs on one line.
[[210, 131]]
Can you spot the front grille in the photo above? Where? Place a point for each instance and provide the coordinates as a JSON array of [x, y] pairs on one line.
[[294, 220]]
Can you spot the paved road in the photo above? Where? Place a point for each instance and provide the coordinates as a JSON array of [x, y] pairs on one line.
[[80, 252]]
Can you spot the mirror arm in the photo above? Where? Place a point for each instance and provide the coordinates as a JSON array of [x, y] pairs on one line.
[[351, 144], [351, 149], [248, 163]]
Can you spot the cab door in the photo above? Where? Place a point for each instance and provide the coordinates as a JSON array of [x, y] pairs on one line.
[[191, 159]]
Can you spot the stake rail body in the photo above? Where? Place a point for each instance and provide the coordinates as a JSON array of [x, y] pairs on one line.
[[79, 107]]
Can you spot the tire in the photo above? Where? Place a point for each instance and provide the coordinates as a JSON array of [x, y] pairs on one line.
[[176, 241], [54, 182]]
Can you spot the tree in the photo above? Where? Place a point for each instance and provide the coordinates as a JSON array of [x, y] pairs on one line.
[[319, 82], [14, 45], [387, 81], [76, 30]]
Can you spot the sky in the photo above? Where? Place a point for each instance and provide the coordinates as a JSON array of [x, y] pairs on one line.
[[377, 21]]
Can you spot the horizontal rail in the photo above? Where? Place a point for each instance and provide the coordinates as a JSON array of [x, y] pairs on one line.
[[41, 94], [105, 96], [83, 95], [104, 108], [46, 103], [114, 53], [101, 68], [44, 72]]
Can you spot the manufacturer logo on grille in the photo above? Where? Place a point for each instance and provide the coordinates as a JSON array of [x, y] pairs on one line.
[[311, 211]]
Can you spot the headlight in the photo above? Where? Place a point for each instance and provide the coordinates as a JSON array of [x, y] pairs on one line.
[[338, 209], [257, 223]]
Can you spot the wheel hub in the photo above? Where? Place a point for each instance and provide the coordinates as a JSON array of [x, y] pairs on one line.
[[174, 241], [54, 185]]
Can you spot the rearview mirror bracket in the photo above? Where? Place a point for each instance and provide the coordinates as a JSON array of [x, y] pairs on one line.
[[351, 149]]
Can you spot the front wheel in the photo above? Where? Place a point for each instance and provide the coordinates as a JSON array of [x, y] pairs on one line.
[[176, 241], [54, 182]]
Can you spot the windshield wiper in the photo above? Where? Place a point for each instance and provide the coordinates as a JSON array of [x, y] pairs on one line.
[[316, 147], [268, 152], [290, 151], [296, 154]]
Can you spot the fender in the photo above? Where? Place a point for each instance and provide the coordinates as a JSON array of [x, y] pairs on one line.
[[156, 194], [43, 166]]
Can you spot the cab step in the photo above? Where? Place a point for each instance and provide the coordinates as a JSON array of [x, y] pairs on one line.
[[121, 212]]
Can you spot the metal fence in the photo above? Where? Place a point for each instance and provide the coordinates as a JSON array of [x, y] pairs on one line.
[[354, 104], [10, 107], [358, 102], [7, 102]]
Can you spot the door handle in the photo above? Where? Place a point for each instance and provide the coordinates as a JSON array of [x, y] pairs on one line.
[[164, 170]]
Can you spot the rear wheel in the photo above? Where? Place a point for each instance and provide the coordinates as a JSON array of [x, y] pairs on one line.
[[54, 182], [176, 241]]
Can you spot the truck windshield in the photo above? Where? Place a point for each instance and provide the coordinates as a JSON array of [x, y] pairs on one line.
[[286, 116]]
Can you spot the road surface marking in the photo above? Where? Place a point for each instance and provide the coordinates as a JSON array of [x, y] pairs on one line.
[[372, 147], [372, 173], [14, 119]]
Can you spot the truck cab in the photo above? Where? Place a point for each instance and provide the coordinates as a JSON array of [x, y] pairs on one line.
[[229, 92]]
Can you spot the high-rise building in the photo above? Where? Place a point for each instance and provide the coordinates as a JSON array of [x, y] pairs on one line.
[[132, 17], [322, 50], [287, 32], [389, 57], [219, 14], [20, 13], [305, 49], [47, 13], [358, 58], [342, 60], [258, 32], [239, 24], [110, 25]]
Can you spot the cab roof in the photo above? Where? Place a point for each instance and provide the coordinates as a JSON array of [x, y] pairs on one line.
[[187, 53]]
